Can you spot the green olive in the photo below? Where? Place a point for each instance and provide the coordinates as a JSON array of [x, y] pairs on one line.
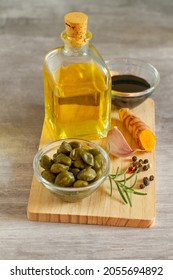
[[62, 158], [45, 162], [98, 162], [79, 163], [47, 175], [64, 148], [87, 157], [76, 153], [86, 174], [99, 174], [54, 156], [94, 151], [58, 167], [75, 171], [65, 179], [75, 144], [80, 184]]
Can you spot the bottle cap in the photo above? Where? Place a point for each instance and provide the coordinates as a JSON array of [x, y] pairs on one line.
[[76, 26]]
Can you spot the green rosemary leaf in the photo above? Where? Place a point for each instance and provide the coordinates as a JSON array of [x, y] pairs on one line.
[[121, 193], [113, 176], [129, 190], [124, 187], [128, 178], [128, 198], [124, 172], [135, 181], [117, 171], [110, 180], [139, 193], [125, 179]]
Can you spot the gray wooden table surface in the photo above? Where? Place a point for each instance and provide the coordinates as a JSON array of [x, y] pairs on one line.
[[28, 29]]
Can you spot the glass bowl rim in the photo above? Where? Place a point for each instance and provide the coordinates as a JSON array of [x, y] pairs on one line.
[[69, 189], [136, 63]]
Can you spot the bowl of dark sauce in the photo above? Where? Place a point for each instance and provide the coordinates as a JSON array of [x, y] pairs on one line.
[[133, 81]]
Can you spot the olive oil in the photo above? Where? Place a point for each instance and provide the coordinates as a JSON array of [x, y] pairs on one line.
[[77, 89], [75, 99]]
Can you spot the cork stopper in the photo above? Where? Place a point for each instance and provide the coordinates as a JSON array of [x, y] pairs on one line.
[[76, 27]]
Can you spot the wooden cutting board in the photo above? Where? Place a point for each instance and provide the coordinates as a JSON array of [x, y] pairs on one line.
[[100, 208]]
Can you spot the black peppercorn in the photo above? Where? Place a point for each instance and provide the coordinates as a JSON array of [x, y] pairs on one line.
[[145, 161], [146, 181], [142, 186], [134, 158], [151, 178], [145, 167]]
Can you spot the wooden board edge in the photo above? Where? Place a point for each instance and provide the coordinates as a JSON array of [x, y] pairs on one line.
[[90, 220]]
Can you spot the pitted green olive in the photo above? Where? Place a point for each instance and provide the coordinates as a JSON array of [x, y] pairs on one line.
[[75, 171], [65, 179], [87, 174], [79, 163], [98, 174], [58, 167], [75, 144], [45, 162], [54, 156], [87, 157], [94, 151], [80, 184], [62, 158], [47, 175], [64, 148], [98, 162], [76, 153]]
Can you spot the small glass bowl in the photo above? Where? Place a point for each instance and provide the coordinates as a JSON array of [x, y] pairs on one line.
[[128, 66], [70, 194]]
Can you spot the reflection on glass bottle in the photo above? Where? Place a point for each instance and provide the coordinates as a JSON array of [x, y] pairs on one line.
[[77, 85]]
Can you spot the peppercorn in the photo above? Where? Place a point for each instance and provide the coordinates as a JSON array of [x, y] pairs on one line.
[[145, 167], [134, 158], [141, 161], [151, 178], [142, 186], [145, 161], [146, 181]]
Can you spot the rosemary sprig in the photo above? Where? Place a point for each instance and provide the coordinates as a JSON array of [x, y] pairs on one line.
[[122, 187]]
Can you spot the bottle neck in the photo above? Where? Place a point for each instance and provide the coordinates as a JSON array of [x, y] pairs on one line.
[[74, 47], [70, 50]]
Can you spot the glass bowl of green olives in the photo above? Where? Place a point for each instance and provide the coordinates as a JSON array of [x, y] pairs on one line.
[[71, 168]]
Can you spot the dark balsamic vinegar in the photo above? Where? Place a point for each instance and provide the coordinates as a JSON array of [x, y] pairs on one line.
[[129, 83]]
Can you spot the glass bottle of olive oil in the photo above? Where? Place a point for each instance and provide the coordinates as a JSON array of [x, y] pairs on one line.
[[77, 85]]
